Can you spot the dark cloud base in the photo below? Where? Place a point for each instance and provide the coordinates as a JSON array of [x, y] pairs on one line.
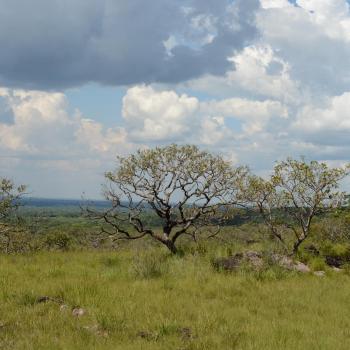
[[58, 44]]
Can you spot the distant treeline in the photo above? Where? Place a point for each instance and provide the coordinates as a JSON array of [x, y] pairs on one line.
[[55, 203]]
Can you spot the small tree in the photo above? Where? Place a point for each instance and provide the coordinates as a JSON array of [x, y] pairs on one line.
[[294, 194], [187, 189], [10, 196]]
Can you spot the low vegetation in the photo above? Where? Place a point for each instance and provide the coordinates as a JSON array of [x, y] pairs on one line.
[[150, 300]]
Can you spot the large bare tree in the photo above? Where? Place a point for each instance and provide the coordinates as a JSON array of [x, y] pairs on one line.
[[189, 190], [293, 195]]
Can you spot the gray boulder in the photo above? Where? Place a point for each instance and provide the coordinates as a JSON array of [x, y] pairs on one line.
[[320, 273], [300, 267], [251, 258], [289, 264]]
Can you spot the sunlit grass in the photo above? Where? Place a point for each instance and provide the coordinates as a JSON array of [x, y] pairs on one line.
[[137, 300]]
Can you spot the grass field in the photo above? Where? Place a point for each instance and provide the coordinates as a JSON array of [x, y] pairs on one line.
[[136, 300]]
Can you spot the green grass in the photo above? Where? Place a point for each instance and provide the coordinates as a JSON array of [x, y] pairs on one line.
[[136, 300]]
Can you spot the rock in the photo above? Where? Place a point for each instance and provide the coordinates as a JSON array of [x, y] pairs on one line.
[[254, 258], [145, 335], [288, 263], [231, 263], [96, 329], [334, 261], [300, 267], [43, 299], [320, 273], [186, 333], [283, 261], [78, 312], [63, 307], [93, 328], [336, 269]]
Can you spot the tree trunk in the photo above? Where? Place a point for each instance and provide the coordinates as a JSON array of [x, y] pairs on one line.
[[169, 243], [166, 240], [297, 245], [171, 246]]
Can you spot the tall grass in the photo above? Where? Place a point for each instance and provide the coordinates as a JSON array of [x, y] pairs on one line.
[[150, 301]]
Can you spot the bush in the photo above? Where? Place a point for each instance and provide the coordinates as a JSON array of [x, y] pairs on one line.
[[16, 241], [317, 264], [336, 254], [58, 240], [334, 229]]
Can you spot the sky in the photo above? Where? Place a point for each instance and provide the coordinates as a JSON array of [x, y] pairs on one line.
[[84, 81]]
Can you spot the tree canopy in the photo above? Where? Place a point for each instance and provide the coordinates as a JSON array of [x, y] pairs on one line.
[[188, 189], [293, 195]]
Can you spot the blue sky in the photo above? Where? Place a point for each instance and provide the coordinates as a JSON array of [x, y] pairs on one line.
[[82, 82], [102, 103]]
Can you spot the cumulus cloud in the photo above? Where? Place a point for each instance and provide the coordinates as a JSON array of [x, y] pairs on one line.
[[325, 125], [294, 82], [158, 115], [334, 116], [257, 72], [43, 128], [60, 43], [254, 115], [165, 116], [213, 131], [313, 36], [267, 4], [55, 151], [332, 15]]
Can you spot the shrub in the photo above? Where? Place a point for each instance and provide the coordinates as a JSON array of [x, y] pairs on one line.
[[336, 254], [58, 240], [334, 229], [16, 241], [317, 264]]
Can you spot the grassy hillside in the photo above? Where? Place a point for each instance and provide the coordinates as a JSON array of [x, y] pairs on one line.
[[149, 300]]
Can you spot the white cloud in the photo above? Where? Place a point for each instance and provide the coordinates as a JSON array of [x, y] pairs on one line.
[[331, 15], [43, 127], [158, 115], [253, 114], [40, 121], [334, 116], [267, 4], [258, 72], [91, 133], [290, 87], [213, 131], [313, 38]]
